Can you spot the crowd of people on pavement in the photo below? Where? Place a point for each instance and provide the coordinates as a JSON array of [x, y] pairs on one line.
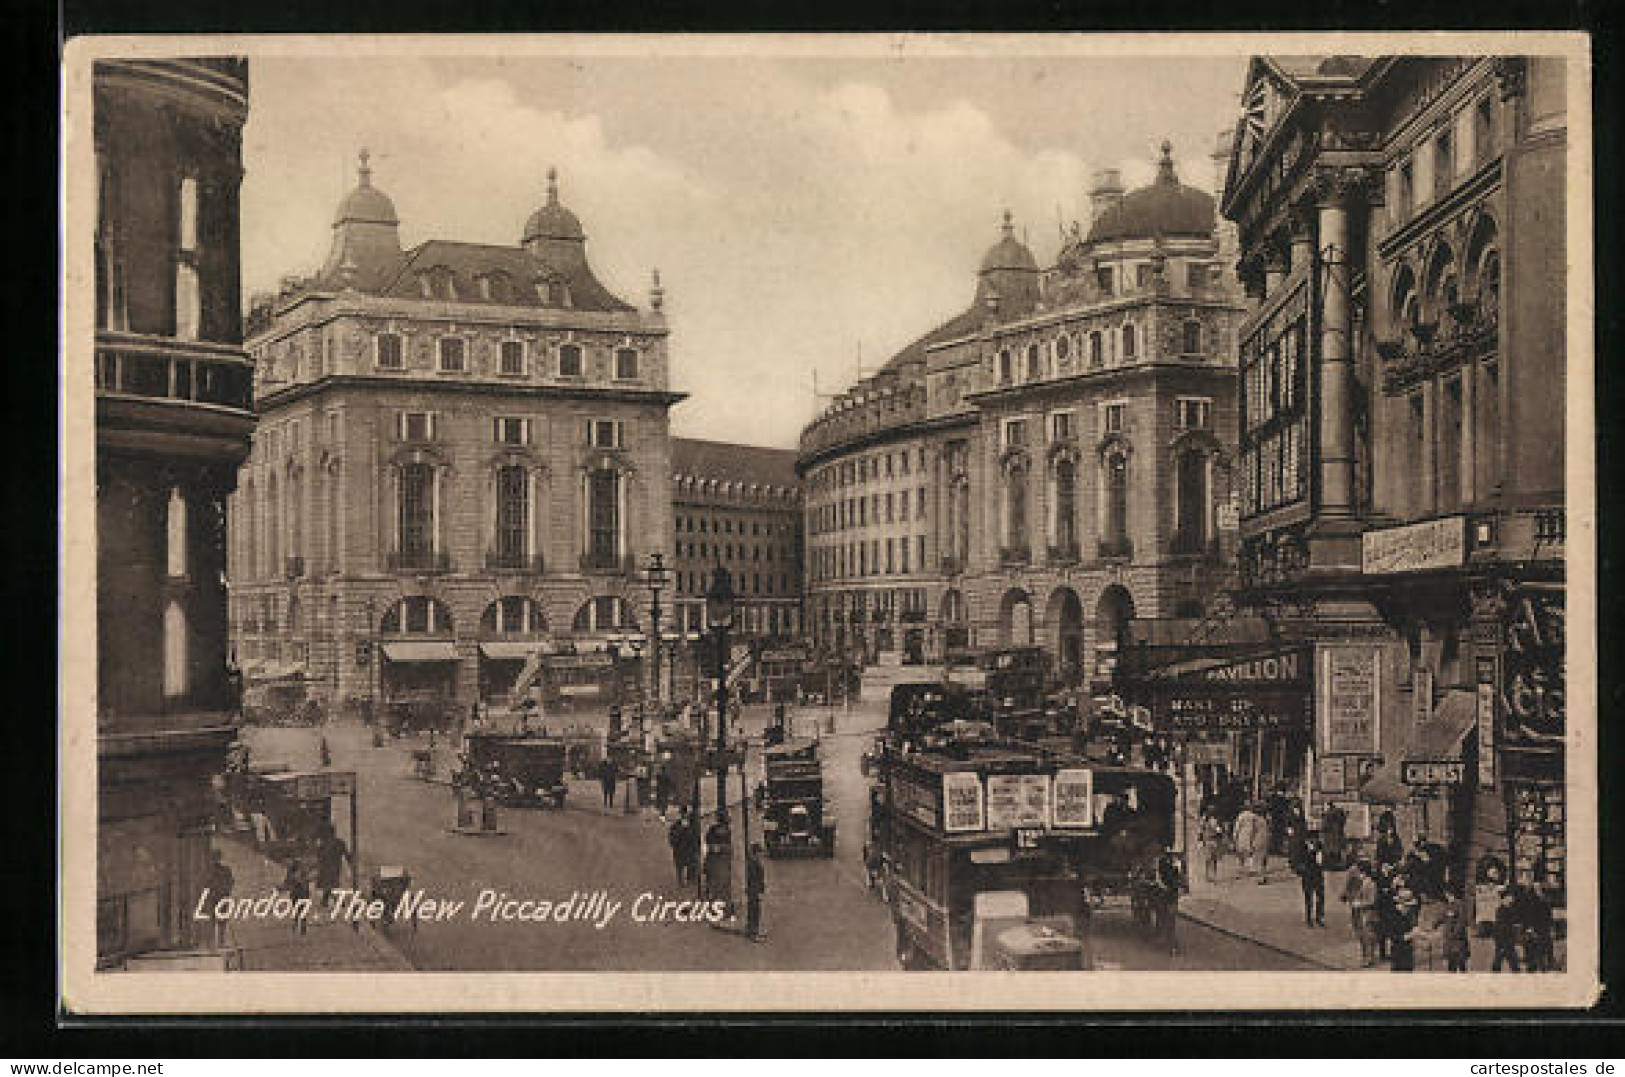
[[1400, 899]]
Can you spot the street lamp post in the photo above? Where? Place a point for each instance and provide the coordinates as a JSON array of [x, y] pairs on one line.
[[657, 582], [719, 612]]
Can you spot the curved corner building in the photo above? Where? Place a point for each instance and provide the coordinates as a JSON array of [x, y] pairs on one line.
[[1048, 464]]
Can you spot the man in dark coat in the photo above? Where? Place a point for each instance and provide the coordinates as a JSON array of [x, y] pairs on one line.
[[682, 847], [1308, 858], [608, 779]]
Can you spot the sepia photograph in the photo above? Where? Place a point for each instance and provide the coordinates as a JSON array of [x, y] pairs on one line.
[[554, 519]]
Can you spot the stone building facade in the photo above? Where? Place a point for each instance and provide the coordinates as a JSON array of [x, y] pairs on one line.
[[738, 506], [1049, 464], [1401, 221], [463, 455], [174, 415]]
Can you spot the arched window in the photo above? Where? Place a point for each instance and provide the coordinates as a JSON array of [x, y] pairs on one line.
[[1403, 302], [1128, 341], [1114, 533], [1192, 342], [416, 615], [1440, 291], [512, 615], [1066, 507], [1191, 502]]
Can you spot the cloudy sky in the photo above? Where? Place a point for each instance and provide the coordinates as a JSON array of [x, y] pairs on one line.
[[802, 209]]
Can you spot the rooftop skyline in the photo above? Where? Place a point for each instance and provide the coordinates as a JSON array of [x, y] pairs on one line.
[[803, 212]]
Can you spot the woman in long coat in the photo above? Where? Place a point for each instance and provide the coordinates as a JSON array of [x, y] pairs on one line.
[[1252, 839]]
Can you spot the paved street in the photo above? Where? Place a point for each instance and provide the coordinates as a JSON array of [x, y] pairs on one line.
[[819, 914]]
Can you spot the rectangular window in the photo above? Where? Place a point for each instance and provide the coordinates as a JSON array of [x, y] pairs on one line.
[[1484, 130], [1450, 431], [1142, 276], [902, 544], [1113, 417], [606, 433], [1418, 449], [1015, 432], [890, 506], [1196, 276], [513, 513], [1103, 279], [415, 426], [1062, 426], [603, 517], [570, 360], [513, 357], [1444, 161], [1407, 189], [452, 354], [891, 563], [507, 431], [902, 505], [1192, 413], [416, 522], [387, 350], [626, 364]]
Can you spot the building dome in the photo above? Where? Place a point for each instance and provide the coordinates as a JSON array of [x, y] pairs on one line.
[[1166, 208], [553, 221], [1009, 252], [366, 204]]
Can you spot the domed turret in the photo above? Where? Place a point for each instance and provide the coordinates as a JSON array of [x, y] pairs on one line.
[[366, 204], [553, 233], [553, 221], [1165, 208], [1009, 272], [366, 233]]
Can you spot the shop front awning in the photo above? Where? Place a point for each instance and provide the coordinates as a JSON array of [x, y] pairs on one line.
[[1439, 738], [439, 650], [512, 650]]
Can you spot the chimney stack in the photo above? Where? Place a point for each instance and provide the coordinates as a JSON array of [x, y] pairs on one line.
[[1106, 192]]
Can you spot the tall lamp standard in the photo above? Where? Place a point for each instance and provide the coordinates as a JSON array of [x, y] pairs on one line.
[[656, 579], [719, 613]]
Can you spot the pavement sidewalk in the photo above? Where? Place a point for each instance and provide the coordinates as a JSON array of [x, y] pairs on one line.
[[272, 945], [1271, 915]]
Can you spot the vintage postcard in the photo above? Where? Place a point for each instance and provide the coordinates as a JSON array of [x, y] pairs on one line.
[[757, 523]]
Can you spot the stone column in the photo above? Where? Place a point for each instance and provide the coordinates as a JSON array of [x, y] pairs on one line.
[[1335, 190]]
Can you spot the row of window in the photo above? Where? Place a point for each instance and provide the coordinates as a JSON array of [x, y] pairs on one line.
[[421, 426], [1101, 346], [870, 468], [725, 526], [439, 282], [867, 509], [569, 361], [865, 558], [756, 583], [728, 551], [1108, 278], [1430, 169]]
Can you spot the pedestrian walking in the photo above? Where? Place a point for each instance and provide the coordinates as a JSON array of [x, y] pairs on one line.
[[662, 791], [1252, 840], [297, 884], [755, 886], [677, 836], [1170, 881], [331, 853], [1387, 849], [1212, 837], [1402, 916], [1308, 858], [1453, 930], [608, 779], [1505, 931], [1535, 924], [1360, 891], [219, 882]]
